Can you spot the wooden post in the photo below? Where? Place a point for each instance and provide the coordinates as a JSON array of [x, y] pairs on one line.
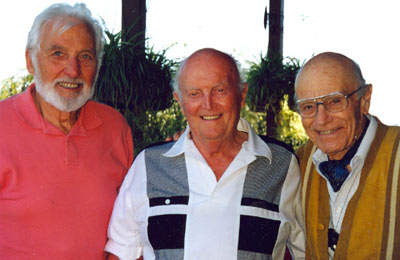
[[134, 11], [275, 52], [275, 19]]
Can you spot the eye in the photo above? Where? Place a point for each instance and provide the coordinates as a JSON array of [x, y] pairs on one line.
[[335, 101], [193, 93], [219, 90], [86, 57], [306, 107], [57, 53]]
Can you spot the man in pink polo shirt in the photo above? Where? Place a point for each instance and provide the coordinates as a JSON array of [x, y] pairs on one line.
[[62, 156]]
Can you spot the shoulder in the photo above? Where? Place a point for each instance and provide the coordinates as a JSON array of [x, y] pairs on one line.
[[109, 116], [159, 147], [7, 103], [304, 154], [277, 144], [8, 108], [386, 133], [305, 150], [394, 128], [104, 110]]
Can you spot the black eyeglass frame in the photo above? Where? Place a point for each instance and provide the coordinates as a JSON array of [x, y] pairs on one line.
[[314, 99]]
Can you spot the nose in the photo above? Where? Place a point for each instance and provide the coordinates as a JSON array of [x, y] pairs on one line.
[[323, 116], [208, 101], [72, 68]]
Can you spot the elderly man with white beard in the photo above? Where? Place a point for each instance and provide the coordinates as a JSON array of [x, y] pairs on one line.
[[62, 156]]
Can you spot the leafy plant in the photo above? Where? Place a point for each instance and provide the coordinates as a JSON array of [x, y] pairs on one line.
[[15, 84], [131, 80], [137, 83], [269, 81], [164, 123], [290, 130]]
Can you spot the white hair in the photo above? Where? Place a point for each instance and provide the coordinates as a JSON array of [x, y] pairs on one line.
[[58, 14]]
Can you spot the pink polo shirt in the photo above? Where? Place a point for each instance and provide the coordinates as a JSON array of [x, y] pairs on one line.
[[57, 191]]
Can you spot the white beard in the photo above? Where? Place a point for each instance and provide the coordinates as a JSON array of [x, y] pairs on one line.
[[48, 92]]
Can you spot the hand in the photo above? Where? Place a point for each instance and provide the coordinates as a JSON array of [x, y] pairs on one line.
[[175, 136], [113, 257]]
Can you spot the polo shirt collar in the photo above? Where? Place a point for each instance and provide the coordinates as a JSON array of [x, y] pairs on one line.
[[28, 112], [254, 145], [26, 108]]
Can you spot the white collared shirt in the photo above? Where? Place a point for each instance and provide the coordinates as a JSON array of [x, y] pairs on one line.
[[213, 210]]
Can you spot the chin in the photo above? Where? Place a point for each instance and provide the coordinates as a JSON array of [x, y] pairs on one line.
[[65, 104], [332, 151]]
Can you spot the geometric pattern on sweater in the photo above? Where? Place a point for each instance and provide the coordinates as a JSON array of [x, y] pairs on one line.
[[167, 184]]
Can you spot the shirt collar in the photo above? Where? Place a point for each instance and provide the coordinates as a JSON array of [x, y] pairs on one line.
[[26, 108], [254, 145], [28, 112]]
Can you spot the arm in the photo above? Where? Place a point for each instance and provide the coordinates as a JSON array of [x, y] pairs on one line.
[[176, 136], [124, 231], [291, 213]]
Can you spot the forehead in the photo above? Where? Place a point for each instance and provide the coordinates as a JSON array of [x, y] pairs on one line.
[[207, 69], [325, 77], [66, 29]]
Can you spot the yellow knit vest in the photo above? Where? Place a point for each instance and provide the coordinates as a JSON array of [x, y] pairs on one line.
[[371, 225]]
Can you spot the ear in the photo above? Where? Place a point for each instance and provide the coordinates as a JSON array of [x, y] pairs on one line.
[[29, 62], [366, 99], [176, 96], [244, 94]]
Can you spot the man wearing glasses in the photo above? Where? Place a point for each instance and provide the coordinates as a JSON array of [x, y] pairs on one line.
[[350, 166]]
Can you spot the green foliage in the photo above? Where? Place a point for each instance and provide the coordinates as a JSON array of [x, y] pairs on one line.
[[290, 128], [130, 79], [271, 93], [162, 124], [137, 83], [255, 119], [15, 84], [270, 80]]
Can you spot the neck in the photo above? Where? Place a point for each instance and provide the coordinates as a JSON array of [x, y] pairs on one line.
[[64, 121], [220, 153]]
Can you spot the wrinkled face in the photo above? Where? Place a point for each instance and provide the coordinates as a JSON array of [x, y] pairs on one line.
[[333, 133], [65, 67], [210, 97]]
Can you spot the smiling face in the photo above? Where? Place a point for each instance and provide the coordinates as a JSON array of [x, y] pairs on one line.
[[210, 95], [65, 66], [333, 133]]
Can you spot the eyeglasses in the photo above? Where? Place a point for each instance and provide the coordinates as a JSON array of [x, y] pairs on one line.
[[334, 102]]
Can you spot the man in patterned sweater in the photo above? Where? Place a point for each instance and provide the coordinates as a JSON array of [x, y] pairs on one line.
[[350, 166], [220, 191]]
